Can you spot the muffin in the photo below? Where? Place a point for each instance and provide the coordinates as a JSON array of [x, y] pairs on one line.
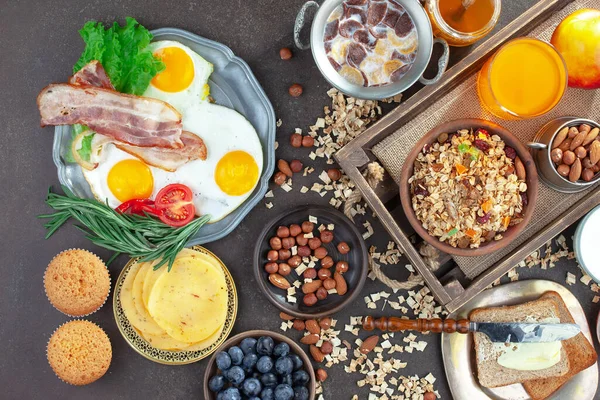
[[77, 282], [79, 352]]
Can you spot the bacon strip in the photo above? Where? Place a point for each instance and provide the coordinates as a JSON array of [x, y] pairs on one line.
[[138, 121], [92, 74], [169, 159]]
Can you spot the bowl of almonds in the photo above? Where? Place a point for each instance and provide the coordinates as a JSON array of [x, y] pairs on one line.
[[310, 262], [567, 153]]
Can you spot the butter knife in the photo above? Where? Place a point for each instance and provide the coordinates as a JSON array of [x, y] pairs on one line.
[[513, 332]]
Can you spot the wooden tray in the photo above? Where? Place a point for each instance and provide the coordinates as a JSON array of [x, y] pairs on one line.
[[448, 284]]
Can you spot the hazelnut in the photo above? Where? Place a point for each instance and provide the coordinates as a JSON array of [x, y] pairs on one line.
[[341, 267], [294, 261], [275, 243], [343, 248], [563, 170], [285, 53], [295, 230], [556, 155], [596, 167], [284, 167], [321, 375], [296, 140], [283, 231], [298, 325], [303, 251], [279, 178], [271, 267], [325, 323], [284, 254], [587, 163], [309, 299], [429, 396], [308, 141], [320, 253], [329, 283], [326, 236], [326, 348], [569, 157], [296, 166], [288, 242], [295, 90], [284, 269], [587, 175], [307, 227], [314, 243], [321, 293], [324, 273], [301, 240], [327, 262], [334, 174], [310, 273], [272, 255], [580, 152]]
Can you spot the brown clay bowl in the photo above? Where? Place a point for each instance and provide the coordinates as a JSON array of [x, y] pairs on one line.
[[211, 368], [453, 126], [357, 259]]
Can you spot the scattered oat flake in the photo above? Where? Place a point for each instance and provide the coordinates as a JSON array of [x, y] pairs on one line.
[[269, 205], [571, 279]]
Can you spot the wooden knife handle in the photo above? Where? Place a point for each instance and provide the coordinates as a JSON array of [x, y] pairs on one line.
[[394, 324]]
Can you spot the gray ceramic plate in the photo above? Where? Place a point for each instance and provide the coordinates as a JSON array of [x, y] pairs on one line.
[[232, 85], [459, 357]]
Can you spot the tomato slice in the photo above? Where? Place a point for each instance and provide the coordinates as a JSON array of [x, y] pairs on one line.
[[175, 203]]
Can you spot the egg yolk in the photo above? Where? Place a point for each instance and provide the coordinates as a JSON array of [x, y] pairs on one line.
[[130, 179], [236, 173], [179, 71]]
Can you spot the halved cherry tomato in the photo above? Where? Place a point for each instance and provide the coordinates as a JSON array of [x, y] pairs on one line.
[[175, 205]]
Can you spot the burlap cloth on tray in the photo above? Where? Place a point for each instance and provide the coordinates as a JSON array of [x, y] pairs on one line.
[[463, 102]]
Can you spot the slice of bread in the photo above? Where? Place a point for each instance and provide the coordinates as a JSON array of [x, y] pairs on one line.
[[489, 372], [580, 352]]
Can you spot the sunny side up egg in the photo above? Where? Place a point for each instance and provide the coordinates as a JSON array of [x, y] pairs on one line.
[[223, 181]]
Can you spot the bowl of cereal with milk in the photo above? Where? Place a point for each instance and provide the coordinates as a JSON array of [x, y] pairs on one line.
[[371, 49], [469, 187]]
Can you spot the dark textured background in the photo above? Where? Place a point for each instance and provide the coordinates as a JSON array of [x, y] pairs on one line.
[[38, 45]]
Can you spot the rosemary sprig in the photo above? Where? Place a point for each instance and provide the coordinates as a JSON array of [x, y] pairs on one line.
[[138, 236]]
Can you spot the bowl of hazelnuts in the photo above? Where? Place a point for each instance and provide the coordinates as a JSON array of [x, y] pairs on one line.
[[311, 262], [567, 153]]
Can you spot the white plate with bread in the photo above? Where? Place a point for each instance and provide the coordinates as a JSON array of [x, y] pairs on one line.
[[569, 371]]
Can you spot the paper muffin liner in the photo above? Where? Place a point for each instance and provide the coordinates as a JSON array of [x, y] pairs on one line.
[[107, 294], [60, 326]]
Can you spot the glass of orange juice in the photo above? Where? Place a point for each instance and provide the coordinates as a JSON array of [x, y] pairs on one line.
[[524, 79]]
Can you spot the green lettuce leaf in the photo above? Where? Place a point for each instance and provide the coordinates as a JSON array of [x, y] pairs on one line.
[[86, 147]]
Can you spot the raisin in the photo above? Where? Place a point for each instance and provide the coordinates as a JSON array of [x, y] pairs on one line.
[[510, 152], [420, 190], [481, 145], [483, 219], [524, 198]]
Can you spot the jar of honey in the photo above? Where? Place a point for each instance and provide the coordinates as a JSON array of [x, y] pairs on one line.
[[462, 22]]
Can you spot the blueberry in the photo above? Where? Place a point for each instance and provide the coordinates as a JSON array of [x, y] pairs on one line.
[[254, 398], [284, 392], [264, 346], [248, 345], [251, 387], [297, 361], [232, 394], [216, 383], [235, 375], [220, 395], [223, 361], [249, 361], [264, 364], [236, 355], [267, 394], [284, 365], [300, 377], [300, 393], [287, 379], [282, 349], [268, 380]]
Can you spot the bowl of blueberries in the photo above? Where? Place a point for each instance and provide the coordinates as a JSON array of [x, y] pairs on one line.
[[259, 365]]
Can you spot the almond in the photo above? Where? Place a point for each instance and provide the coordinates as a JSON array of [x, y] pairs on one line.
[[564, 146], [520, 169], [593, 134], [560, 137], [595, 152], [279, 281], [284, 167], [316, 354], [310, 339], [312, 326], [340, 284], [311, 287], [369, 344], [578, 140], [285, 316], [575, 173]]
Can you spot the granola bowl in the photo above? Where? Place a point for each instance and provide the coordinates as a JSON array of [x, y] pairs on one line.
[[469, 187]]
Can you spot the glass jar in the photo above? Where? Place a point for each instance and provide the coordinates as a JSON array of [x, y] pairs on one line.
[[453, 36]]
